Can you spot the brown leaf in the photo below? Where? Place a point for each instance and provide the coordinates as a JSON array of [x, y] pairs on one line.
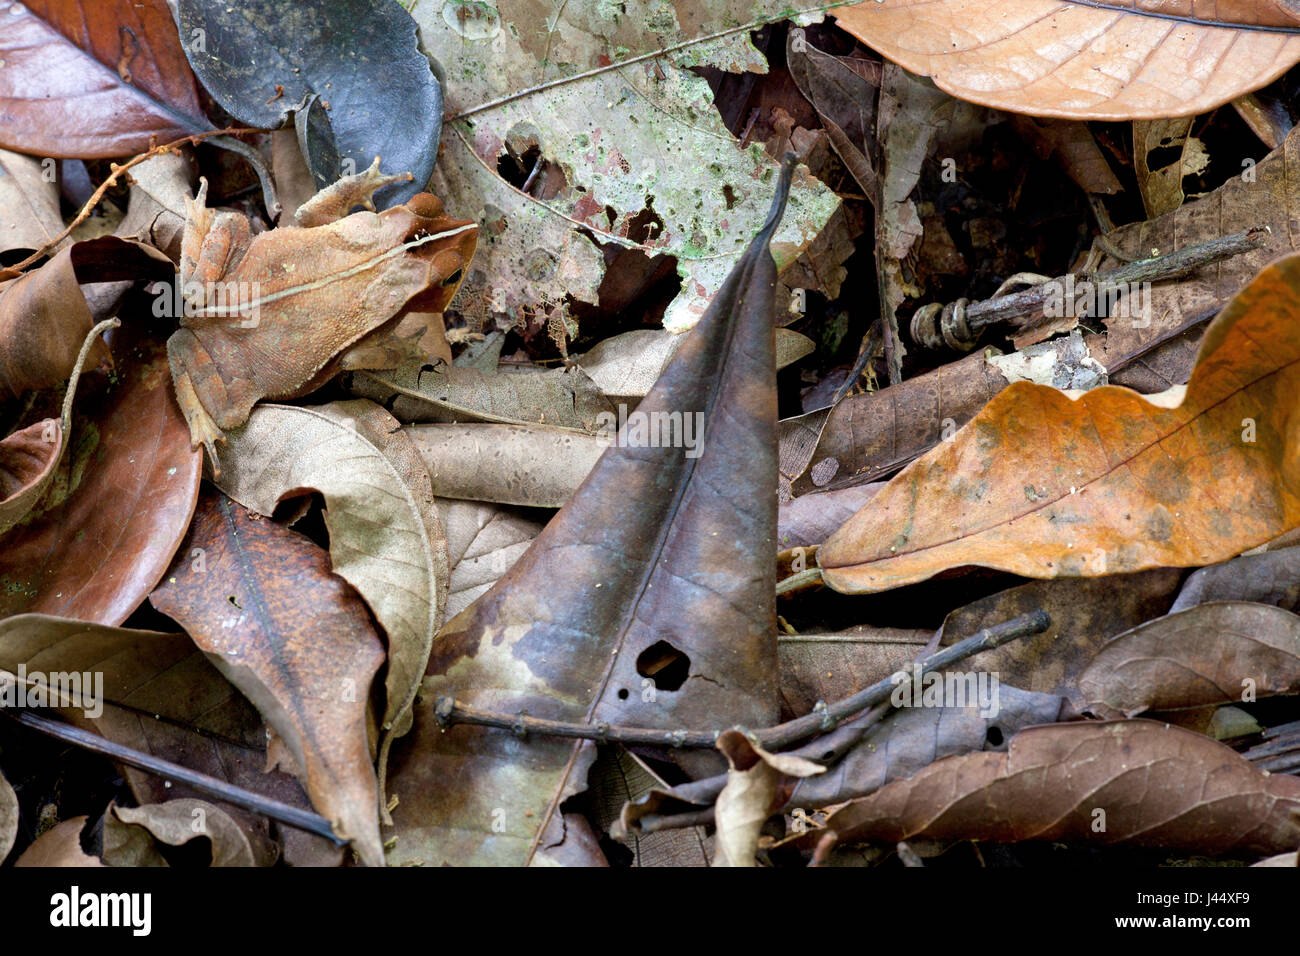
[[44, 317], [618, 777], [155, 212], [59, 846], [8, 817], [1086, 59], [29, 202], [174, 705], [132, 834], [564, 398], [1262, 195], [385, 537], [1131, 781], [829, 666], [1085, 612], [589, 624], [811, 519], [307, 300], [537, 466], [1162, 187], [94, 80], [1269, 578], [870, 435], [1073, 147], [1045, 486], [297, 641], [483, 543], [914, 737], [1211, 654], [119, 505], [747, 799]]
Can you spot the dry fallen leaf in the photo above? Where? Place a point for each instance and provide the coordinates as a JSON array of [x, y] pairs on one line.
[[1210, 654], [59, 846], [588, 625], [1129, 781], [119, 504], [8, 817], [746, 801], [385, 538], [1045, 486], [297, 641], [1045, 57], [132, 835], [1269, 578]]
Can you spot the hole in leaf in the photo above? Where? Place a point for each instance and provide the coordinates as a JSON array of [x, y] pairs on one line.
[[665, 665], [729, 195], [994, 736]]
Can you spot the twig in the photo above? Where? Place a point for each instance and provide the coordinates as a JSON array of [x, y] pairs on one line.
[[218, 789], [957, 324], [652, 55], [12, 272], [449, 712]]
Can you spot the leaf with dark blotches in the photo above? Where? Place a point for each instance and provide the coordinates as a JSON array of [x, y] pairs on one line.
[[93, 78], [120, 502], [260, 600], [649, 600], [1217, 653], [1136, 782], [1046, 485]]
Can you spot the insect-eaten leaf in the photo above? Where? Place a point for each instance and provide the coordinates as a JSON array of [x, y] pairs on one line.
[[260, 600], [628, 607]]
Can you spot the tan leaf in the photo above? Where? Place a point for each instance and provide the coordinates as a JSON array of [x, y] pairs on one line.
[[132, 834], [59, 846], [1099, 59], [385, 537], [1045, 486]]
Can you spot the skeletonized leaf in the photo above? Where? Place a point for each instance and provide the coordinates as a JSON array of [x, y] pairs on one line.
[[385, 537], [1146, 783], [1086, 59], [1045, 486], [483, 543], [604, 151], [299, 644]]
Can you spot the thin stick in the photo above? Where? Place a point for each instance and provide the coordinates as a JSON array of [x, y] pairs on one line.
[[219, 789], [652, 55], [12, 272], [957, 324], [448, 711]]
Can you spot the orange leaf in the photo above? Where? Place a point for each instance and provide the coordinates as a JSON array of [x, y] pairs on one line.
[[1047, 486], [1099, 59]]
